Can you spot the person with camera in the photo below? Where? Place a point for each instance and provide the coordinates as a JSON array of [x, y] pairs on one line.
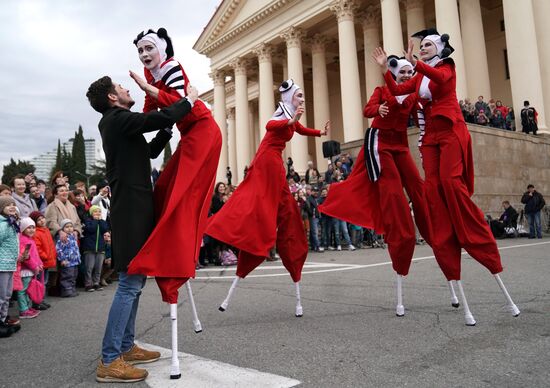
[[534, 203]]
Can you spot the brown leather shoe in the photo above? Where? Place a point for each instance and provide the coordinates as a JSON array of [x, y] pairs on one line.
[[119, 371], [137, 355]]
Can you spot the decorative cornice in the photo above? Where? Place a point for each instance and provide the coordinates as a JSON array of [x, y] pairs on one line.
[[318, 43], [344, 9], [293, 37], [370, 17], [214, 41], [264, 52], [230, 114], [218, 76]]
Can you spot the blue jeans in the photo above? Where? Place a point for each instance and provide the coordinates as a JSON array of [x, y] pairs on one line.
[[535, 226], [326, 229], [314, 232], [341, 227], [120, 330]]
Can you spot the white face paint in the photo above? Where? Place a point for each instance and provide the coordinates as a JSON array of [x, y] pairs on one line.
[[298, 98], [148, 54], [405, 74], [428, 50]]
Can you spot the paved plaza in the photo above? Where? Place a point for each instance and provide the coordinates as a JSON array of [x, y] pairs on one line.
[[349, 335]]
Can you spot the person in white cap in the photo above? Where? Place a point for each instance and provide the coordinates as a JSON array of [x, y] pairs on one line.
[[262, 213]]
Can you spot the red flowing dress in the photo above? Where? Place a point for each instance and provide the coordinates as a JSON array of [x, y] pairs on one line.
[[182, 193], [381, 205], [262, 213], [449, 172]]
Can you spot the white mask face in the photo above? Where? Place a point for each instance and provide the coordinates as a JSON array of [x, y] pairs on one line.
[[298, 98], [428, 50], [148, 54], [404, 74]]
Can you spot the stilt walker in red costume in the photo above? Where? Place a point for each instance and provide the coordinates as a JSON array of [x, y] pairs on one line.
[[446, 151], [262, 213], [183, 191], [383, 168]]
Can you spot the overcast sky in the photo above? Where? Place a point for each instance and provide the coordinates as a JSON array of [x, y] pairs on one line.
[[53, 49]]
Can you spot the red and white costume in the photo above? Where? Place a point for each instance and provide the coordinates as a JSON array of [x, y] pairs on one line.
[[381, 205]]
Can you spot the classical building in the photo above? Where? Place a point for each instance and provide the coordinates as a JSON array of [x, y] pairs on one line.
[[502, 51]]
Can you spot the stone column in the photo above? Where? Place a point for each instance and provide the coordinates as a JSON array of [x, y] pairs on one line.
[[252, 112], [391, 27], [220, 116], [267, 101], [349, 70], [321, 104], [371, 34], [242, 140], [447, 20], [415, 20], [541, 9], [231, 142], [475, 52], [298, 145]]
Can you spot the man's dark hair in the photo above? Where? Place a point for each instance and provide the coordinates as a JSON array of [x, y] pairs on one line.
[[41, 181], [529, 186], [525, 103], [98, 94], [56, 188], [505, 202]]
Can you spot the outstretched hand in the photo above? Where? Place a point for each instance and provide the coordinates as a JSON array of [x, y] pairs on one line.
[[139, 81], [380, 57], [326, 131], [409, 53]]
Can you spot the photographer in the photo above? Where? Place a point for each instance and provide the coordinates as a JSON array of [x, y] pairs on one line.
[[103, 200]]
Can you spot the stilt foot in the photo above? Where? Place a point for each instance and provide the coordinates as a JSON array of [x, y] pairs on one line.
[[400, 310], [299, 311], [198, 327], [470, 321], [175, 377], [221, 308], [514, 310], [455, 305]]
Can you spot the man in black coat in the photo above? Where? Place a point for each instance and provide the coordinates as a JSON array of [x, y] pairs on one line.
[[534, 203], [128, 165]]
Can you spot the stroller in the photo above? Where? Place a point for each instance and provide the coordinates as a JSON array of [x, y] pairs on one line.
[[374, 240]]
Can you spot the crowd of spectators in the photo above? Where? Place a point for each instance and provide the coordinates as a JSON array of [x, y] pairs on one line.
[[56, 235]]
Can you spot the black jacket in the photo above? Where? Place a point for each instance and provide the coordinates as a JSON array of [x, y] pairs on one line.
[[127, 155], [533, 203], [93, 231], [509, 217]]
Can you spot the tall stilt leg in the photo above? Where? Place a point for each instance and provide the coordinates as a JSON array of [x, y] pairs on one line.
[[196, 323], [223, 306], [454, 299], [399, 309], [299, 309], [470, 321], [511, 305], [175, 365]]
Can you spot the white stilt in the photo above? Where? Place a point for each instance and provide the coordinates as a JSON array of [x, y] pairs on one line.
[[224, 304], [299, 309], [196, 323], [175, 365], [399, 309], [454, 299], [511, 305], [470, 321]]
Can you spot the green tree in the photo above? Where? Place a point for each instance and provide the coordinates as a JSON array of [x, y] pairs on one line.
[[66, 163], [13, 168], [99, 172], [78, 154], [167, 154]]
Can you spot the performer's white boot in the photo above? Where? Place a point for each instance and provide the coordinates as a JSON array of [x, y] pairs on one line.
[[196, 323], [454, 299], [175, 364], [299, 309], [399, 309], [224, 304], [511, 305], [470, 321]]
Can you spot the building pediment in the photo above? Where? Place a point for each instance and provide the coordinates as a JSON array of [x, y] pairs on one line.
[[233, 18]]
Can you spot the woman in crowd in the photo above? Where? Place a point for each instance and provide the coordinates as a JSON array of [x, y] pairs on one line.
[[383, 168], [447, 160], [262, 212], [25, 205]]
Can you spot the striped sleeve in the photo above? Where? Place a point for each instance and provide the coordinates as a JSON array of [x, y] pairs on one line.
[[174, 77]]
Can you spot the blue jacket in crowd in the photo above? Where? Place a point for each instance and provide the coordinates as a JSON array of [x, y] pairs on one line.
[[93, 231]]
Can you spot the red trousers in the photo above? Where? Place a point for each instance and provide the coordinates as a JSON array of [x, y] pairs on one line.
[[291, 240], [399, 171], [456, 221]]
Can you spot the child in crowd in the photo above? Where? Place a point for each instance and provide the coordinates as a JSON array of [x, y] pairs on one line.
[[45, 245], [30, 266], [93, 248], [5, 191], [9, 253], [68, 256], [107, 270]]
